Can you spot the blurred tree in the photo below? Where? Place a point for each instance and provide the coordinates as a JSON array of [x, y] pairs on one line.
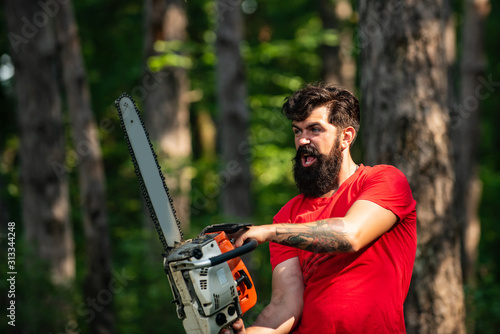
[[465, 129], [233, 113], [166, 98], [90, 167], [338, 64], [404, 88], [45, 199], [465, 134]]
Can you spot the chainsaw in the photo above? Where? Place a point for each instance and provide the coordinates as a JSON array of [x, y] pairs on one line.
[[211, 285]]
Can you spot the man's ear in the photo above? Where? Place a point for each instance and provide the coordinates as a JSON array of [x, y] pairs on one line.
[[348, 135]]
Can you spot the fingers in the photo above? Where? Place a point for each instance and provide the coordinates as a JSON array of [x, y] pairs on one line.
[[238, 327], [260, 233], [238, 324], [239, 242], [239, 237]]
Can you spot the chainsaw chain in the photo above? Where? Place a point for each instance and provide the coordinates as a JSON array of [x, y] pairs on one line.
[[144, 191]]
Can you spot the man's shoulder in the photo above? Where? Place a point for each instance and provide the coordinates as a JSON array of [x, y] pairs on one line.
[[388, 177], [383, 170], [388, 187]]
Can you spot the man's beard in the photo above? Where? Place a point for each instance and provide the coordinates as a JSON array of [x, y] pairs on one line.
[[323, 175]]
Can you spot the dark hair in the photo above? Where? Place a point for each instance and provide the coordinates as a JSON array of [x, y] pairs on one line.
[[342, 104]]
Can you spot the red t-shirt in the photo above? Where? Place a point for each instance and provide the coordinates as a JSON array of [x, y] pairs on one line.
[[361, 292]]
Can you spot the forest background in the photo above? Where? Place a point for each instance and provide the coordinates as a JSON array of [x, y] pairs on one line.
[[117, 282]]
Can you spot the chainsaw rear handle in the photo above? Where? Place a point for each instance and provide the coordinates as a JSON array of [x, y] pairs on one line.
[[249, 245], [228, 228]]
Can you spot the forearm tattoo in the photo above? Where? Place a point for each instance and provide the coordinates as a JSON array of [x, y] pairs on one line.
[[323, 236]]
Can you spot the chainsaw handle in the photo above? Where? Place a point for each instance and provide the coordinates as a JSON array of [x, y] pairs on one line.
[[228, 228], [248, 246]]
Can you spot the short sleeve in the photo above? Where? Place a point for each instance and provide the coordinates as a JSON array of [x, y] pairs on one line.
[[280, 253], [388, 187]]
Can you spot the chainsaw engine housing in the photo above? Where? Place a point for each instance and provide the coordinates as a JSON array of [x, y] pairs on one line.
[[208, 297]]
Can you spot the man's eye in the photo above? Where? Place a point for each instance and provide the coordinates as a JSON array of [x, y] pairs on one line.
[[296, 132], [316, 130]]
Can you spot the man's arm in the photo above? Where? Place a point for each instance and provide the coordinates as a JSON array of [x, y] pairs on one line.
[[364, 222], [285, 308]]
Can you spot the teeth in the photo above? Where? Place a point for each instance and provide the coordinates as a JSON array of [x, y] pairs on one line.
[[308, 160]]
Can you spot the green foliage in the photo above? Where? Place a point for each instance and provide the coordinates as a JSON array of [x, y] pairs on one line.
[[486, 296], [40, 307]]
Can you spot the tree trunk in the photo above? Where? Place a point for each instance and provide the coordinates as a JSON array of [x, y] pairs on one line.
[[465, 128], [404, 90], [166, 100], [90, 168], [338, 65], [465, 134], [45, 198], [234, 115]]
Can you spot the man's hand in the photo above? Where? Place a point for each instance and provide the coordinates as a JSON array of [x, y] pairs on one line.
[[238, 328], [260, 233]]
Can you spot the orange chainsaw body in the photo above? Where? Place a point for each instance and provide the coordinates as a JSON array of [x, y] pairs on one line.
[[246, 292]]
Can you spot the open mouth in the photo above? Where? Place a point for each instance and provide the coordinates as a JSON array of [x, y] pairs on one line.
[[308, 160]]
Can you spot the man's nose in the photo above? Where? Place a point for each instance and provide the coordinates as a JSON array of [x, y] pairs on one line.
[[304, 140]]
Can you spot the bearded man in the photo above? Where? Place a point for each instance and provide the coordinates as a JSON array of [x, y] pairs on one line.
[[342, 251]]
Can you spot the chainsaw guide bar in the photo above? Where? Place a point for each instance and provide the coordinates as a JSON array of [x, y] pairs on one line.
[[148, 171]]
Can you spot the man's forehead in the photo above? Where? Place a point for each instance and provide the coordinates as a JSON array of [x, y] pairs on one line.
[[318, 115]]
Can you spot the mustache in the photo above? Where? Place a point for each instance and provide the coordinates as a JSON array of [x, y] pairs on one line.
[[307, 150]]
